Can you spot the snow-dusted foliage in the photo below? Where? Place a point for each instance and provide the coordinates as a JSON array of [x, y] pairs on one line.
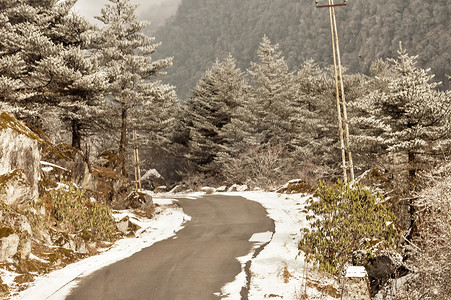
[[125, 57], [274, 97], [430, 250], [45, 62], [215, 100], [405, 113]]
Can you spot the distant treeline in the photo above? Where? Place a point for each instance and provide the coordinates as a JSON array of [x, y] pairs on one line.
[[203, 30]]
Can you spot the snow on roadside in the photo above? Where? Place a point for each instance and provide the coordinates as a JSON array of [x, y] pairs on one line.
[[58, 284], [278, 272]]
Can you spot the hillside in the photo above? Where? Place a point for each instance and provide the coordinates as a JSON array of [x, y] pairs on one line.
[[203, 30]]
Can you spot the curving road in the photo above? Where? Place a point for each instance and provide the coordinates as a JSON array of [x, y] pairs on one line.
[[194, 265]]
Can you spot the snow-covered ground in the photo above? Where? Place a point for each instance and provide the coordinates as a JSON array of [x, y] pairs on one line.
[[278, 272]]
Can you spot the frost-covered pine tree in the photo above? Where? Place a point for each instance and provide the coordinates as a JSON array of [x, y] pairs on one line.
[[274, 96], [316, 116], [45, 61], [406, 114], [215, 99], [126, 59]]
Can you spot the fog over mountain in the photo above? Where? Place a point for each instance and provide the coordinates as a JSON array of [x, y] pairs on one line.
[[203, 30], [150, 9]]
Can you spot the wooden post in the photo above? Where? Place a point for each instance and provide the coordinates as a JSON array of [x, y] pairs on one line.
[[338, 74], [138, 163], [337, 92], [343, 98], [135, 160]]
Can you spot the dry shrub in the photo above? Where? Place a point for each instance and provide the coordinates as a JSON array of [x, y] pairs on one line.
[[268, 166], [430, 252]]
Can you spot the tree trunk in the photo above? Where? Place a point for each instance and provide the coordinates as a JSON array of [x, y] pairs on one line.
[[123, 142], [76, 135], [412, 170], [412, 178]]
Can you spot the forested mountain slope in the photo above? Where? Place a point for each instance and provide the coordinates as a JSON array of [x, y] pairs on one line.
[[203, 30]]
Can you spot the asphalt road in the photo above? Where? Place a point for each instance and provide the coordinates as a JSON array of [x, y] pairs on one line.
[[194, 265]]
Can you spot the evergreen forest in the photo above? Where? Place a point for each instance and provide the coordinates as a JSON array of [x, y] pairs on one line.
[[203, 30], [243, 92]]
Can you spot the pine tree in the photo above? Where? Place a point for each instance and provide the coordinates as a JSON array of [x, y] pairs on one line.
[[125, 54], [212, 106], [407, 115], [274, 92], [45, 61]]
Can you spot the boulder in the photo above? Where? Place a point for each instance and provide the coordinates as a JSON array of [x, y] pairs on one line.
[[64, 162], [19, 150], [383, 266], [9, 242], [221, 189], [16, 189], [232, 188], [126, 226], [295, 186], [140, 201], [208, 190], [242, 188], [152, 179]]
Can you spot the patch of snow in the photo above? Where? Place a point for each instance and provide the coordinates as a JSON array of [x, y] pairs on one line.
[[262, 237], [44, 163], [356, 271], [8, 277], [47, 169], [32, 256], [58, 284], [267, 269]]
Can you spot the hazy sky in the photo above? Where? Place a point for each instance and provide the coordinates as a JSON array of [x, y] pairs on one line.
[[91, 8]]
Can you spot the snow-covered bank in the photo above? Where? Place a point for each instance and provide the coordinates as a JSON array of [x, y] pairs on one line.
[[279, 271], [57, 285]]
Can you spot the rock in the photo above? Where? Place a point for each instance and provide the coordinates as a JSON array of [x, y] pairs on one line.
[[221, 189], [385, 265], [295, 186], [126, 226], [8, 244], [140, 201], [68, 164], [161, 189], [81, 247], [208, 190], [123, 224], [152, 179], [176, 189], [16, 189], [24, 247], [242, 188], [232, 188], [19, 157]]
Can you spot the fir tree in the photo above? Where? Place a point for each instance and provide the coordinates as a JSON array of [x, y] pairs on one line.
[[274, 95], [45, 61], [407, 114], [125, 52], [212, 106]]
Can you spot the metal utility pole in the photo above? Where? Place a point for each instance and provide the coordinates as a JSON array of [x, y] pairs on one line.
[[338, 74]]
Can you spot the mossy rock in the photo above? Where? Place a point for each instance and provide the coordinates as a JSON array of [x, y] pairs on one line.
[[6, 231], [296, 187], [111, 158], [8, 121]]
